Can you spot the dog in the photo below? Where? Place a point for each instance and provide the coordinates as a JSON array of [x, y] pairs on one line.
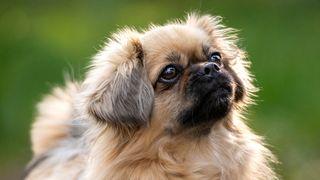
[[164, 103]]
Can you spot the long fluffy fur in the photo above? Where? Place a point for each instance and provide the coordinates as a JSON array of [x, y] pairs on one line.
[[75, 135], [53, 120]]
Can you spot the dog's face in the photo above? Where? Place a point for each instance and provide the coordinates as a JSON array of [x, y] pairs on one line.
[[179, 77]]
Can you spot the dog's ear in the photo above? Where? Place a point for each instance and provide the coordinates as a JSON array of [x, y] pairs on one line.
[[117, 89], [220, 34], [205, 22]]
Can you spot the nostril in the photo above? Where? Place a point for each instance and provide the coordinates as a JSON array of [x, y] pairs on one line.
[[207, 70], [210, 69], [216, 67]]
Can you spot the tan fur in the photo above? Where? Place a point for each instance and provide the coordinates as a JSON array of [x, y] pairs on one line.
[[150, 144], [52, 122]]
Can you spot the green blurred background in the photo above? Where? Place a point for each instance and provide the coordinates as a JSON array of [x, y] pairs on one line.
[[41, 40]]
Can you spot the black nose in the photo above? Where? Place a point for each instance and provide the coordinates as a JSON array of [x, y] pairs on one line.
[[211, 68]]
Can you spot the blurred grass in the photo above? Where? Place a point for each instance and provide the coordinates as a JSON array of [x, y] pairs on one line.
[[42, 40]]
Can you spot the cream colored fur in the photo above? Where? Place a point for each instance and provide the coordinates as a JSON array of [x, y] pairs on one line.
[[144, 149]]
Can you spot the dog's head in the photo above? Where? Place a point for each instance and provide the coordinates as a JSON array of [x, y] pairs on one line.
[[178, 77]]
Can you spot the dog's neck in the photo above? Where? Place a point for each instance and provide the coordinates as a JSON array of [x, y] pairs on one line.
[[151, 152]]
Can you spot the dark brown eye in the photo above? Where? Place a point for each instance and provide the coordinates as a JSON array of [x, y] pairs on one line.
[[215, 57], [170, 74]]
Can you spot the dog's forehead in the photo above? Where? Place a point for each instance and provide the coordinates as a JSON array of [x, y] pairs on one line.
[[180, 38], [162, 45]]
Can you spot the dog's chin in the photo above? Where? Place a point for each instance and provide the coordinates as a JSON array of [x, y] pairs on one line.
[[212, 101]]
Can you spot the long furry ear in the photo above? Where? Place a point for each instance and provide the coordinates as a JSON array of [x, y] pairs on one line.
[[212, 25], [117, 90], [205, 22]]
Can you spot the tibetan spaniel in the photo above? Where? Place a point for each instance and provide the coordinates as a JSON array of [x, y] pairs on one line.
[[163, 103]]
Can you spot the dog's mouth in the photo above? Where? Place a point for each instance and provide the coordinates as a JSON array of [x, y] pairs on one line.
[[212, 98]]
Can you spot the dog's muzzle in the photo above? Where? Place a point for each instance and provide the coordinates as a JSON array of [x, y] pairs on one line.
[[210, 90]]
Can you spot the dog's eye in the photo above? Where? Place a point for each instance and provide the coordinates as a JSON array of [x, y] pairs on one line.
[[215, 57], [170, 74]]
